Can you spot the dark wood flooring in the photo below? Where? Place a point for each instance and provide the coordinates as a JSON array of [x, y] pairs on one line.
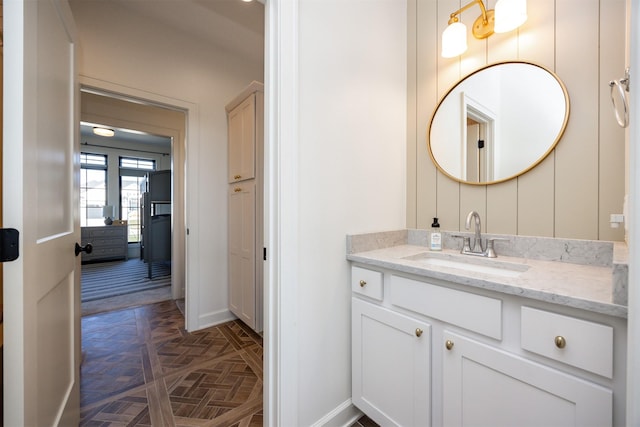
[[141, 368], [365, 421]]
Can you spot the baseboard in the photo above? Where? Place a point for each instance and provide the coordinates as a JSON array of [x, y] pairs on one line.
[[343, 415], [215, 318]]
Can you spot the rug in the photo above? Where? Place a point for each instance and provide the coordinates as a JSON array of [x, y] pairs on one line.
[[108, 279], [126, 301]]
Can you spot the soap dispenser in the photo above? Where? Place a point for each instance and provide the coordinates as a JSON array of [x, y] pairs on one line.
[[435, 239]]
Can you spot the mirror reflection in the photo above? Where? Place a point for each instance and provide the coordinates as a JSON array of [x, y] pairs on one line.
[[498, 122]]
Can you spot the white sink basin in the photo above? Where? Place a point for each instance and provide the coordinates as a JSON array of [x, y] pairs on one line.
[[470, 263]]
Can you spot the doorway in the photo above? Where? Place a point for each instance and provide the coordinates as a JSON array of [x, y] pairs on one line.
[[117, 168], [478, 141], [150, 137]]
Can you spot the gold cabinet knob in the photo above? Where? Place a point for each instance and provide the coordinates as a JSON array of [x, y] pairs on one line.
[[237, 176], [237, 189], [362, 283], [418, 332], [448, 344], [560, 341]]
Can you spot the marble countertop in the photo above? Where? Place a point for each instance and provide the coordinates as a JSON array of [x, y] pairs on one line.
[[577, 285]]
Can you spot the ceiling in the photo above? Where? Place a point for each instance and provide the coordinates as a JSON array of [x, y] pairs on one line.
[[126, 135], [233, 25]]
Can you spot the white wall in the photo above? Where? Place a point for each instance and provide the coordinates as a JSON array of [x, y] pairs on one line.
[[123, 48], [351, 173]]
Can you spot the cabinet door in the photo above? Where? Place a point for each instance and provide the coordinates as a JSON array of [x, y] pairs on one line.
[[242, 140], [391, 366], [242, 252], [485, 386]]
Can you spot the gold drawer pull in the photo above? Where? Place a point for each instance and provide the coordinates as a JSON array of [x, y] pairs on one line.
[[418, 332], [362, 283], [448, 344], [237, 189], [560, 341], [237, 176]]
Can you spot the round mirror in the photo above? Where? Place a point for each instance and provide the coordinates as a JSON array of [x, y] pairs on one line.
[[498, 122]]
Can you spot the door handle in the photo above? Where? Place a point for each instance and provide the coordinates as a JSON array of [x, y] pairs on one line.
[[9, 244], [88, 248]]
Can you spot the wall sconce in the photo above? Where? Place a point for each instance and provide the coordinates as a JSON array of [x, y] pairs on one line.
[[508, 15]]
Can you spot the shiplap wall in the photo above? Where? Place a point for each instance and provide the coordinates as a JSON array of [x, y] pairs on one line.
[[574, 190]]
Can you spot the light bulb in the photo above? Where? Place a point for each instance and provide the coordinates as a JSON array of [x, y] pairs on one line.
[[454, 40], [510, 14]]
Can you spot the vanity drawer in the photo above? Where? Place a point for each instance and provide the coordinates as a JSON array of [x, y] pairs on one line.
[[473, 312], [366, 282], [580, 343]]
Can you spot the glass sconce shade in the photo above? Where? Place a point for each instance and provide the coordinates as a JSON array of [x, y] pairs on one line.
[[454, 40], [510, 14]]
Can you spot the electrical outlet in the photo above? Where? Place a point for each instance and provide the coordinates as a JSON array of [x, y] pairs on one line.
[[615, 220], [618, 218]]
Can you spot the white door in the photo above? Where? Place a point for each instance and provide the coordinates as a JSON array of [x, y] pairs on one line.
[[41, 176], [242, 141], [242, 251]]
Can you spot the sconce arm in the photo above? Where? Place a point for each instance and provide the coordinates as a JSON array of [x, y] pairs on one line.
[[454, 16]]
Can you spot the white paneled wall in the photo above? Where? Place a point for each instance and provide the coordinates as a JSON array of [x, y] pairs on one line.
[[574, 190]]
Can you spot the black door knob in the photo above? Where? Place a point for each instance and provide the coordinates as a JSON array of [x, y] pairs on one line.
[[88, 248]]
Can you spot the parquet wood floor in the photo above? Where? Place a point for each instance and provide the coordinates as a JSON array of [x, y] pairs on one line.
[[141, 368]]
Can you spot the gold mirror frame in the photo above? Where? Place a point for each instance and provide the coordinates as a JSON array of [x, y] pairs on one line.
[[535, 161]]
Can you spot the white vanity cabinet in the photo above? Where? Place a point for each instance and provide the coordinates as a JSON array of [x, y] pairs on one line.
[[391, 375], [485, 386], [482, 358]]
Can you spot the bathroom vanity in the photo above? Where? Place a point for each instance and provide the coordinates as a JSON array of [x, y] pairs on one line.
[[532, 337]]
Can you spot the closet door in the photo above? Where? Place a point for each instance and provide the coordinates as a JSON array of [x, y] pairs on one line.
[[242, 251], [242, 140]]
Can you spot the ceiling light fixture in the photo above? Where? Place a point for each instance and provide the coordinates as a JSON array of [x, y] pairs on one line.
[[508, 15], [104, 132]]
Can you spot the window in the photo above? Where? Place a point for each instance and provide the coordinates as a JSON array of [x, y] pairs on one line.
[[93, 188], [139, 164], [132, 173]]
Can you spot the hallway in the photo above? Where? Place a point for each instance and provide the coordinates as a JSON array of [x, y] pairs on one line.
[[141, 368]]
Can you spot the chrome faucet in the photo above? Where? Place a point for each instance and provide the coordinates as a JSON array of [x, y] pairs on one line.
[[477, 244], [477, 250]]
